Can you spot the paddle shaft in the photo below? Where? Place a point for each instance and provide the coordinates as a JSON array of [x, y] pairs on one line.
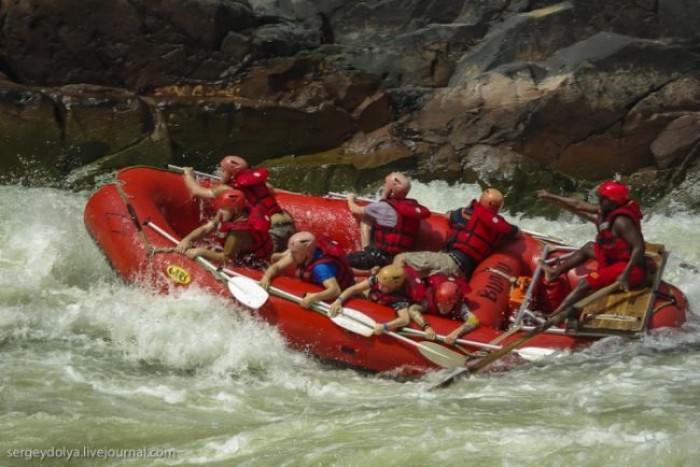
[[322, 308], [481, 345], [242, 294], [133, 216], [441, 356], [203, 261], [436, 353], [531, 287], [553, 320], [176, 168]]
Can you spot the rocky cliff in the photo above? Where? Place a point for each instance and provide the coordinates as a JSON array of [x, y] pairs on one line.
[[337, 93]]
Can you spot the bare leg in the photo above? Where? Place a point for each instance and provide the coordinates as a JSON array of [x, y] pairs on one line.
[[365, 234], [580, 256], [156, 250], [581, 290]]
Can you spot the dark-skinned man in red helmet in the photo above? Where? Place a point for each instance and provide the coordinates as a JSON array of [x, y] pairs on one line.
[[388, 226], [235, 173], [474, 231], [618, 247], [242, 234]]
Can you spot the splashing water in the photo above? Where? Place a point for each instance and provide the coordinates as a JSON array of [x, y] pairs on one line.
[[89, 361]]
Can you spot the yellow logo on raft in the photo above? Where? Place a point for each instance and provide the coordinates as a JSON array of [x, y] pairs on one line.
[[178, 275]]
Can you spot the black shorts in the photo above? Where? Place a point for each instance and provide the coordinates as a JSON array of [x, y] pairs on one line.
[[368, 258]]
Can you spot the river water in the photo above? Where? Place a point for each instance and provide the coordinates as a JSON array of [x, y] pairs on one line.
[[109, 374]]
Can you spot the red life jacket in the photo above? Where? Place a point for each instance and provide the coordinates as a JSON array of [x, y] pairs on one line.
[[252, 183], [612, 248], [257, 225], [401, 237], [474, 239], [331, 253], [430, 304]]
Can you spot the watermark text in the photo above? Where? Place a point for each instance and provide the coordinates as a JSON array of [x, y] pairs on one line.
[[87, 452]]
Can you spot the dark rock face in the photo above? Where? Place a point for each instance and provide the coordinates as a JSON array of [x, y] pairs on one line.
[[132, 44], [473, 90]]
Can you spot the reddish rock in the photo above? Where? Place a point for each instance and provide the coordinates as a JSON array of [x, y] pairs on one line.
[[676, 141]]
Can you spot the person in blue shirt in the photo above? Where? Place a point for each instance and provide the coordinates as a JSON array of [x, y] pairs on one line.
[[318, 261]]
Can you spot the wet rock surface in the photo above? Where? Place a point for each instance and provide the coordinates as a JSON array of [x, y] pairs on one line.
[[334, 94]]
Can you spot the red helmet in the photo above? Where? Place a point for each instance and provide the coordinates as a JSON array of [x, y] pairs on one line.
[[233, 164], [301, 242], [447, 295], [615, 191], [491, 199], [231, 200], [396, 185]]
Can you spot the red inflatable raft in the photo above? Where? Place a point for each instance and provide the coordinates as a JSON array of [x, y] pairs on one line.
[[125, 219]]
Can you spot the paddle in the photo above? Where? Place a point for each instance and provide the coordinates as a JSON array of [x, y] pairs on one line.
[[176, 168], [436, 353], [359, 323], [134, 218], [246, 290], [531, 233], [524, 306], [551, 321], [342, 320], [528, 353]]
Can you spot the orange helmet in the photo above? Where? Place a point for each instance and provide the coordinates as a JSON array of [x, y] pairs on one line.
[[231, 200], [491, 199], [447, 295], [396, 185], [233, 164], [391, 276], [302, 242], [616, 192]]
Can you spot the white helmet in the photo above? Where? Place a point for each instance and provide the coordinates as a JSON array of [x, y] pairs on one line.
[[396, 185]]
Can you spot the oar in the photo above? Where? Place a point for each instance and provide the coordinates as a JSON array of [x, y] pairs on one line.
[[134, 217], [176, 168], [531, 233], [434, 352], [551, 321], [528, 353], [525, 304], [355, 321], [246, 290], [341, 320]]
